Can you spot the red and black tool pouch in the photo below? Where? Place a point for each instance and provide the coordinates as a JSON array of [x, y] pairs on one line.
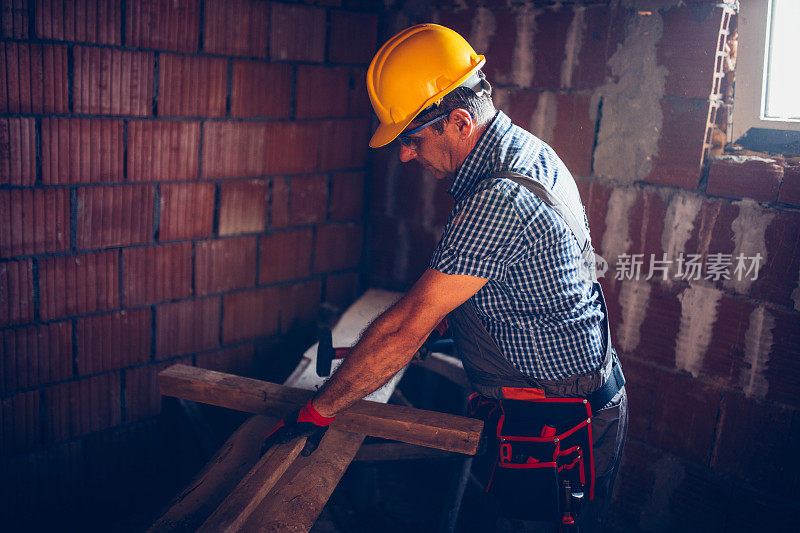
[[540, 444]]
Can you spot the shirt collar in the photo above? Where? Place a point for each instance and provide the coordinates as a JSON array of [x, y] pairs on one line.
[[477, 163]]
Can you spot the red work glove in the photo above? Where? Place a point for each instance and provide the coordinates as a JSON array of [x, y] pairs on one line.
[[306, 422]]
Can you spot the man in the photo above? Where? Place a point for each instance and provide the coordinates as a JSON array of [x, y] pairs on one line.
[[510, 269]]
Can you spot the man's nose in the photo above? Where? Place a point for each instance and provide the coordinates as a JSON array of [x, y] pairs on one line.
[[407, 153]]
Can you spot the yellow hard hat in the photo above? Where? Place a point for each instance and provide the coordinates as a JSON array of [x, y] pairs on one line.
[[413, 70]]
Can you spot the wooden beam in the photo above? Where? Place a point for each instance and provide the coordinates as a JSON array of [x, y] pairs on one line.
[[413, 426], [253, 489], [398, 451]]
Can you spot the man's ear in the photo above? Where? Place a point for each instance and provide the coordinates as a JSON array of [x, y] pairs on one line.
[[462, 119]]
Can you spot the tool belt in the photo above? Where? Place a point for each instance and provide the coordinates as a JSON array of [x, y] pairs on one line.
[[543, 465]]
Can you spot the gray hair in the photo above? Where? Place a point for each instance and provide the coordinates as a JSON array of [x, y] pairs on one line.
[[475, 96]]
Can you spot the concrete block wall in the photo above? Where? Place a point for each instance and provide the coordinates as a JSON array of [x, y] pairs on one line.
[[179, 181], [621, 91]]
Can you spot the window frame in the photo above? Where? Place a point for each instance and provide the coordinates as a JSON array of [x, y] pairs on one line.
[[750, 84]]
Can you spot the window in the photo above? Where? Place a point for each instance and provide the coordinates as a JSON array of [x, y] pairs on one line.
[[766, 98]]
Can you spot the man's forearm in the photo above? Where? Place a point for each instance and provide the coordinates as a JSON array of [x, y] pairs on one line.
[[383, 350]]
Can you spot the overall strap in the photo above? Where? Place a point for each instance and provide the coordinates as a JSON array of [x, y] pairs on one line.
[[565, 200]]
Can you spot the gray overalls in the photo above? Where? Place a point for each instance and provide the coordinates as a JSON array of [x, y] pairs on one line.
[[490, 372]]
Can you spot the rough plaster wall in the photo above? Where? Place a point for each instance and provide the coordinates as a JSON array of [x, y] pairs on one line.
[[523, 56], [749, 228], [633, 298], [616, 239], [544, 117], [668, 474], [757, 346], [573, 46], [482, 30], [698, 315], [631, 120], [681, 214]]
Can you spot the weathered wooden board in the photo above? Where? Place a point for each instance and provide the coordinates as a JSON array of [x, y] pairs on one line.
[[241, 451], [396, 422]]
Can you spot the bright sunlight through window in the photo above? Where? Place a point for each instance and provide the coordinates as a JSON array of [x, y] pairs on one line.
[[782, 81]]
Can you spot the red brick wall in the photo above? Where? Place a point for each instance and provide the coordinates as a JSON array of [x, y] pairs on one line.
[[712, 365], [178, 180]]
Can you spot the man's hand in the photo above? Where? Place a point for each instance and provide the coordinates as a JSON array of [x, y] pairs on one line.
[[306, 422]]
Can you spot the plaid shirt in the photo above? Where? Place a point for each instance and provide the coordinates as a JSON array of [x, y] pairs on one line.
[[539, 310]]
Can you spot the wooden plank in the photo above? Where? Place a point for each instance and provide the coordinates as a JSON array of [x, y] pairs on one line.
[[252, 490], [396, 422], [399, 451], [218, 478], [297, 500], [241, 451]]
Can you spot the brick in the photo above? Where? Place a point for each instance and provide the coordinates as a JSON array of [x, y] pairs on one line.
[[192, 86], [225, 264], [91, 22], [75, 408], [16, 292], [298, 33], [20, 423], [605, 31], [78, 284], [782, 366], [187, 211], [680, 146], [15, 19], [156, 273], [17, 151], [163, 25], [790, 188], [347, 196], [114, 215], [353, 37], [752, 435], [778, 273], [685, 418], [344, 144], [308, 200], [341, 289], [337, 247], [659, 329], [234, 149], [279, 203], [359, 104], [285, 255], [33, 78], [295, 147], [687, 49], [238, 27], [142, 396], [299, 304], [79, 150], [750, 510], [758, 179], [251, 314], [188, 326], [712, 228], [113, 82], [384, 239], [248, 97], [113, 341], [724, 362], [641, 383], [550, 39], [35, 355], [322, 91], [35, 221], [646, 225], [161, 150], [594, 197], [238, 360], [243, 206]]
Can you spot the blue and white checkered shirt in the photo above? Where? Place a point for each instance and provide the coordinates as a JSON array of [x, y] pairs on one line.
[[538, 308]]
